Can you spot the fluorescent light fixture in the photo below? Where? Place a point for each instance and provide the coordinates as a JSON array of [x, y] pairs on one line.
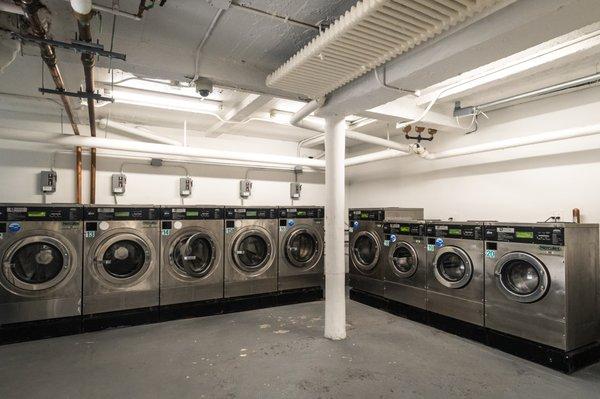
[[171, 102]]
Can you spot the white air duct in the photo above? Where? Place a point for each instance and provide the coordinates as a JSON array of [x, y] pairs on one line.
[[368, 35]]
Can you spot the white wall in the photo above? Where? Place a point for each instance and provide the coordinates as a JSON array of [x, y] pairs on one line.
[[21, 163], [527, 184]]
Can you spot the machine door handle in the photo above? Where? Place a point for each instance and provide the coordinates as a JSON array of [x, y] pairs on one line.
[[191, 257]]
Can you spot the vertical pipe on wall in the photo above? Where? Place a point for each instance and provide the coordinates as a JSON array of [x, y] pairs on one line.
[[335, 290]]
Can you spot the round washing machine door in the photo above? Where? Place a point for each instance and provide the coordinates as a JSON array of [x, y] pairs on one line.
[[521, 277], [123, 258], [403, 259], [193, 255], [365, 250], [452, 267], [303, 248], [252, 250], [36, 263]]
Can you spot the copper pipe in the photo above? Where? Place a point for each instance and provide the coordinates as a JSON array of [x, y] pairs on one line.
[[88, 60], [48, 53], [576, 215]]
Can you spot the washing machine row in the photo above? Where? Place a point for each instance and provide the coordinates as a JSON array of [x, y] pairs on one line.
[[529, 289], [136, 260]]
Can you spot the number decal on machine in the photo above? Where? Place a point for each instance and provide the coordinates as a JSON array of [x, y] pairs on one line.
[[490, 253]]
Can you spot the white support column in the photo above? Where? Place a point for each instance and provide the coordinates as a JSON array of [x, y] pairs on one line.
[[335, 291]]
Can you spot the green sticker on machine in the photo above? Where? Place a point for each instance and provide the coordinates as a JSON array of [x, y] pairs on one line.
[[490, 253], [90, 234], [430, 248], [166, 232]]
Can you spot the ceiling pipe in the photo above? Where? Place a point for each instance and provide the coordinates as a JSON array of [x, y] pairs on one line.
[[84, 13], [161, 149], [374, 156], [113, 11], [546, 137], [136, 132], [48, 53]]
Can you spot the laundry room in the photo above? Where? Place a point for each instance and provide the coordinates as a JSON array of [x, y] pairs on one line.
[[318, 198]]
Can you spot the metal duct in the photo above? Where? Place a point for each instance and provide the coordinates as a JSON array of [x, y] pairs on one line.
[[368, 35]]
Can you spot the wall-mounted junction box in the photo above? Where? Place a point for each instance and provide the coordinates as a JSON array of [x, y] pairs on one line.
[[185, 186], [48, 181], [245, 188], [119, 181], [295, 189]]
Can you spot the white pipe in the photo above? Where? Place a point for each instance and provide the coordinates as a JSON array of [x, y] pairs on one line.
[[512, 143], [335, 265], [83, 7], [373, 156], [114, 11], [365, 138], [160, 149], [137, 132], [10, 7], [306, 110]]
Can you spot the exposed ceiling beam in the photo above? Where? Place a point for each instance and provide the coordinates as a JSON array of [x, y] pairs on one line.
[[514, 28], [249, 105]]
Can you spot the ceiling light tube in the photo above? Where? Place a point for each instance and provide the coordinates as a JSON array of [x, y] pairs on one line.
[[171, 102]]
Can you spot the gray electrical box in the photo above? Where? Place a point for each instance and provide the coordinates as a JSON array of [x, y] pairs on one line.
[[295, 189], [185, 186], [245, 188], [48, 181], [119, 181]]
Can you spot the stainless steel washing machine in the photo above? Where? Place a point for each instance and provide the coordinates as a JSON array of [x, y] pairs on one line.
[[121, 258], [405, 255], [366, 266], [301, 244], [541, 282], [40, 250], [250, 251], [192, 254], [455, 281]]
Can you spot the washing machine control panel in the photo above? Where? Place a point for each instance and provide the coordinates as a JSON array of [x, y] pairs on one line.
[[406, 229], [41, 213], [121, 213], [301, 213], [251, 213], [526, 234], [461, 231], [192, 213], [366, 214]]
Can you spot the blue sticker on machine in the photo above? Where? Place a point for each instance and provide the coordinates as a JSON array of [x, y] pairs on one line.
[[490, 253], [393, 238], [439, 242], [14, 227]]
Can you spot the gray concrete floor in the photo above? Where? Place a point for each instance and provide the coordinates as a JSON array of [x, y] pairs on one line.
[[278, 353]]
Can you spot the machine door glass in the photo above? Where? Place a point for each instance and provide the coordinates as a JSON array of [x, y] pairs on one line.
[[302, 248], [124, 258], [403, 259], [365, 250], [453, 267], [36, 263], [252, 251], [521, 277], [194, 255]]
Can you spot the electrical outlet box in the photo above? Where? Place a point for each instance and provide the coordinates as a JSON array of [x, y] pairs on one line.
[[119, 181], [295, 189], [48, 181], [245, 188], [185, 186]]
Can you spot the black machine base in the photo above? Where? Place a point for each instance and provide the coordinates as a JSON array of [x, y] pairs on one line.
[[191, 309], [566, 362], [125, 318], [250, 302], [33, 330], [369, 299], [302, 295]]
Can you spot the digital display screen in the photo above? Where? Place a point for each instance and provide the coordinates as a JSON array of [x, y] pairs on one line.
[[364, 215], [192, 213], [454, 232], [301, 213], [405, 229], [36, 214], [251, 213], [524, 234], [122, 214]]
